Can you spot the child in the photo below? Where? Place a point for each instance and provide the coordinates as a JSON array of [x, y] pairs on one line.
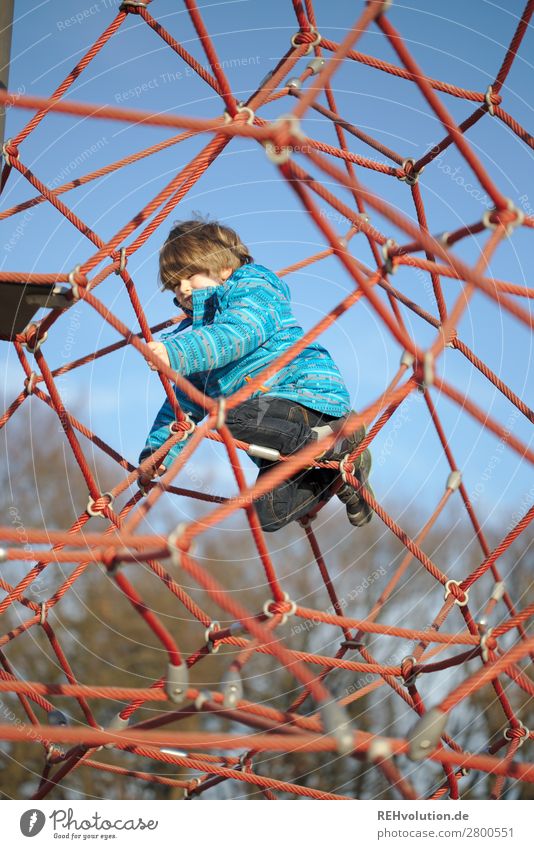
[[238, 321]]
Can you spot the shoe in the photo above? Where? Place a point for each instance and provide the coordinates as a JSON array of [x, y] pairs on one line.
[[358, 511], [344, 444]]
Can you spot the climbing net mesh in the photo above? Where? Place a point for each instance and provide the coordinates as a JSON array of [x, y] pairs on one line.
[[239, 729]]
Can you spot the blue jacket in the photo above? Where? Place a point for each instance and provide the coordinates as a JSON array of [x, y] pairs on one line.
[[234, 331]]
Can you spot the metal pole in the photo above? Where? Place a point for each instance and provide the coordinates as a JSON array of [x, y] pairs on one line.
[[6, 28]]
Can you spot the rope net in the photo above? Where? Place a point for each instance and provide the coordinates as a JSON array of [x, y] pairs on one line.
[[231, 731]]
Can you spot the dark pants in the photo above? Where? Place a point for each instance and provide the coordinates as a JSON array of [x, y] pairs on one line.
[[286, 426]]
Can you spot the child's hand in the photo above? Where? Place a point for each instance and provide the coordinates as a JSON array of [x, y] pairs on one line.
[[159, 349], [146, 477]]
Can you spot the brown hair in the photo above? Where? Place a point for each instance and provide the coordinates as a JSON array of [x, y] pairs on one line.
[[199, 247]]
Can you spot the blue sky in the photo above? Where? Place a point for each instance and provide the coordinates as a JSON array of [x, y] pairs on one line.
[[461, 43]]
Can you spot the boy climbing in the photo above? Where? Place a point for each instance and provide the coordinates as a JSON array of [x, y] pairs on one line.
[[238, 320]]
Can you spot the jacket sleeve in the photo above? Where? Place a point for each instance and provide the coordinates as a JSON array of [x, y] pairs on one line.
[[159, 432], [251, 318]]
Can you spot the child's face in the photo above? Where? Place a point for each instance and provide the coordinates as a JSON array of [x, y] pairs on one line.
[[187, 285]]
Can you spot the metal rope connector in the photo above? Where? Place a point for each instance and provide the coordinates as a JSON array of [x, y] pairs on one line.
[[263, 452], [315, 65], [211, 646], [409, 679], [29, 383], [407, 359], [426, 734], [283, 154], [43, 612], [221, 413], [73, 285], [311, 45], [454, 480], [484, 649], [7, 156], [379, 750], [90, 509], [231, 687], [270, 613], [488, 101], [498, 591], [448, 592], [509, 735], [177, 682], [134, 4], [240, 107], [32, 349], [116, 724], [409, 177], [510, 226], [294, 83], [336, 724], [388, 260], [174, 427], [174, 550], [122, 261]]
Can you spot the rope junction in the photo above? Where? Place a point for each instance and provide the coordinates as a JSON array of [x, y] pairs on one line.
[[283, 730]]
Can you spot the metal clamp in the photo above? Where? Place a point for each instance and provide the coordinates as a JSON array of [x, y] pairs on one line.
[[454, 480], [488, 100], [136, 4], [282, 155], [498, 591], [91, 502], [183, 433], [410, 179], [522, 727], [344, 472], [177, 682], [426, 734], [122, 261], [407, 359], [293, 83], [42, 616], [6, 155], [29, 383], [210, 644], [74, 286], [195, 782], [457, 601], [172, 546], [269, 613], [263, 452], [428, 368], [318, 39], [413, 675], [315, 65], [221, 413], [231, 687], [240, 107], [388, 261], [37, 345], [379, 750], [484, 650], [511, 225]]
